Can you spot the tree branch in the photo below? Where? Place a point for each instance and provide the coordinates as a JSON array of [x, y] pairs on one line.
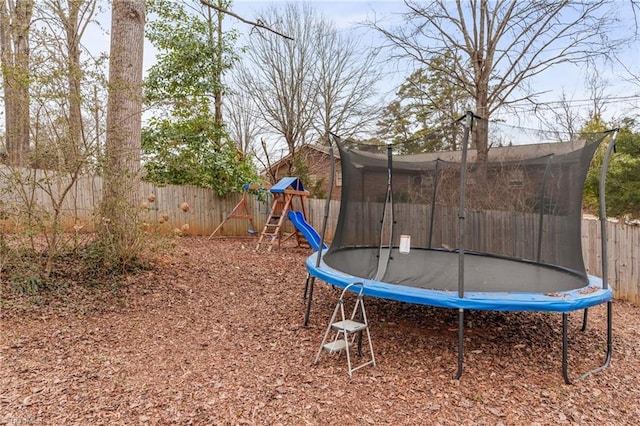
[[246, 21]]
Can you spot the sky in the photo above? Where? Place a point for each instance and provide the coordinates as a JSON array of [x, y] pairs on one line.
[[569, 79], [348, 16]]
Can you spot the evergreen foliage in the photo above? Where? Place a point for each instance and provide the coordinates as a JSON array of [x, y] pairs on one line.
[[185, 144], [185, 151], [623, 175], [422, 116]]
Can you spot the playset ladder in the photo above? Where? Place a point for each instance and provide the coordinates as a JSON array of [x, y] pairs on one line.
[[272, 233], [284, 192], [347, 329]]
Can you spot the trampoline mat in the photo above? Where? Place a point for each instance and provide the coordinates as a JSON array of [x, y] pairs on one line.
[[438, 270]]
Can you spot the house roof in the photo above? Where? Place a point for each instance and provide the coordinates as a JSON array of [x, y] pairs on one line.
[[307, 147]]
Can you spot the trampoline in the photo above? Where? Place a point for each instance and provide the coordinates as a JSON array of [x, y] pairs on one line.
[[491, 283], [500, 235]]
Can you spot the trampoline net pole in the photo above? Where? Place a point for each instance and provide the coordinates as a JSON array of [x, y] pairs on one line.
[[461, 205], [327, 205], [603, 207], [310, 282], [433, 203], [541, 217], [384, 253]]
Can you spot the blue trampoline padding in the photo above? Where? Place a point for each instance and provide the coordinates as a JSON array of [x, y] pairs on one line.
[[286, 182], [564, 301]]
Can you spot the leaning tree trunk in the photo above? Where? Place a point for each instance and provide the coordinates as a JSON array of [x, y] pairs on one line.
[[121, 187], [75, 141]]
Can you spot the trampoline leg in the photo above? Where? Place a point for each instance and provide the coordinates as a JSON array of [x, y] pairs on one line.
[[360, 319], [460, 343], [308, 297], [609, 334], [565, 345], [584, 319], [306, 289]]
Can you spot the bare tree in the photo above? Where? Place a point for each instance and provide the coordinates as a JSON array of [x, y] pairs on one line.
[[124, 115], [323, 80], [566, 117], [501, 45], [560, 119], [41, 185], [242, 120], [346, 77], [257, 24], [59, 75], [74, 16], [15, 21], [279, 73], [597, 87], [57, 126]]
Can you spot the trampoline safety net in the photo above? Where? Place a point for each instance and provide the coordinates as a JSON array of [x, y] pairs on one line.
[[523, 204]]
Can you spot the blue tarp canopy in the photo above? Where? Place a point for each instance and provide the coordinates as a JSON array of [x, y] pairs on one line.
[[287, 183]]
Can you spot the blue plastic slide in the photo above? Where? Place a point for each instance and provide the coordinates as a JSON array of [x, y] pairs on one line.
[[312, 236]]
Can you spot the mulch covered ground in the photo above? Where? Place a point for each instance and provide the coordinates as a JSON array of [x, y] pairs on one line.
[[213, 335]]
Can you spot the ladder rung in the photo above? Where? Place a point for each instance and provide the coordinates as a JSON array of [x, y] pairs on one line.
[[334, 347], [348, 326]]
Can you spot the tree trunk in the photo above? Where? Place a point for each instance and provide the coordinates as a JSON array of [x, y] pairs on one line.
[[15, 20], [218, 71], [124, 116], [74, 76], [481, 126], [216, 49]]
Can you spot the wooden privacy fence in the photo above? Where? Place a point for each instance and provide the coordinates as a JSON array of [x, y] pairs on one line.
[[623, 256], [162, 208]]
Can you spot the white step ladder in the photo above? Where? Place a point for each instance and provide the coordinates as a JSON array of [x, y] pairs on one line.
[[347, 329]]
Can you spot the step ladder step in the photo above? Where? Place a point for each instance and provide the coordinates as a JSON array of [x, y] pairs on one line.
[[348, 326], [335, 347]]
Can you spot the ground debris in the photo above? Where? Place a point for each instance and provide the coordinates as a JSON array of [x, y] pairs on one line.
[[215, 337]]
